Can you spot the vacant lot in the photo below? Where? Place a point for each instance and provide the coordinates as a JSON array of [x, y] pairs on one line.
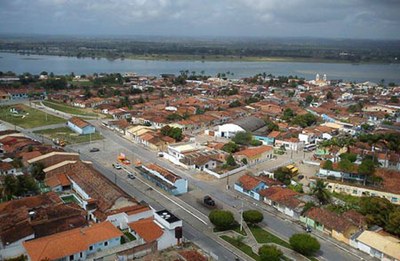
[[67, 109], [66, 134], [26, 117]]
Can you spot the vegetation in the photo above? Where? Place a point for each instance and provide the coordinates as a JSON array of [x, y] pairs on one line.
[[241, 246], [67, 109], [320, 191], [230, 161], [230, 147], [20, 185], [221, 219], [264, 237], [283, 175], [243, 138], [37, 171], [27, 117], [304, 120], [173, 132], [379, 211], [328, 165], [252, 217], [269, 253], [304, 244], [68, 135]]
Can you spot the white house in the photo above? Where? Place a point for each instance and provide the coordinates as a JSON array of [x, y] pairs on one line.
[[80, 126], [378, 245]]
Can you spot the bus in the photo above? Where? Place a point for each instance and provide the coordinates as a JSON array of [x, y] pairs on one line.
[[309, 147]]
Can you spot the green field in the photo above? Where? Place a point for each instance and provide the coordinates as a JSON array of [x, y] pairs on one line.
[[241, 246], [27, 117], [262, 236], [67, 109], [66, 134]]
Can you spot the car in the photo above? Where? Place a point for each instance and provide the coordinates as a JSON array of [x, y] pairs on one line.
[[300, 177], [160, 154], [94, 150], [116, 166], [131, 176], [307, 229]]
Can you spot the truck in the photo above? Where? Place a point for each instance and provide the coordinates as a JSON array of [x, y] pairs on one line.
[[59, 142]]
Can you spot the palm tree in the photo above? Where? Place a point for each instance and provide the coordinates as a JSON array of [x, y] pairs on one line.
[[320, 191]]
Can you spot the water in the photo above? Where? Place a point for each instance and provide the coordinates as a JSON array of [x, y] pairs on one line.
[[64, 65]]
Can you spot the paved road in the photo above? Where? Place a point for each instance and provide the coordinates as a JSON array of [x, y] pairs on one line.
[[282, 226]]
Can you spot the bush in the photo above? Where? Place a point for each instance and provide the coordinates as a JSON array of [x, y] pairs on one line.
[[269, 253], [304, 244], [221, 219], [253, 216]]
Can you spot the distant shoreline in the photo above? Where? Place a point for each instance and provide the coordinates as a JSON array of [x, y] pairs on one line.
[[201, 58]]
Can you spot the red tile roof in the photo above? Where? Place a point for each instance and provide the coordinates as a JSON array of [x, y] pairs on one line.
[[147, 229], [70, 242], [248, 182], [79, 122]]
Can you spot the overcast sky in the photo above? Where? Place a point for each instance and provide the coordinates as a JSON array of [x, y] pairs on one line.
[[266, 18]]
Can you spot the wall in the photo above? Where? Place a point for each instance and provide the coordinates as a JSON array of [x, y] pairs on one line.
[[167, 239], [181, 186]]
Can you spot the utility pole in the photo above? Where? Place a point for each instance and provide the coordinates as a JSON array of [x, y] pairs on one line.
[[241, 218], [227, 182]]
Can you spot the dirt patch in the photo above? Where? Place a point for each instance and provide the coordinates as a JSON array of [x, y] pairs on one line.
[[204, 176]]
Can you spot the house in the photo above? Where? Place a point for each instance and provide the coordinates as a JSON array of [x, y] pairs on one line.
[[255, 155], [58, 183], [35, 217], [80, 126], [75, 244], [250, 186], [289, 143], [54, 157], [284, 200], [7, 168], [122, 217], [339, 227], [165, 179], [378, 245]]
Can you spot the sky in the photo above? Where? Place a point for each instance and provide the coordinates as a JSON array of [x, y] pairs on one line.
[[371, 19]]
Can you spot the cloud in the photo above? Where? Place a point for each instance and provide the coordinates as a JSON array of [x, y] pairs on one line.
[[326, 18]]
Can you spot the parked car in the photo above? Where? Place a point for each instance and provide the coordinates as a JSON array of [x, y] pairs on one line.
[[300, 177], [116, 166], [94, 150], [160, 154]]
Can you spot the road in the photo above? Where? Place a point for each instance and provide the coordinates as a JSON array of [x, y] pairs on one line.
[[282, 226]]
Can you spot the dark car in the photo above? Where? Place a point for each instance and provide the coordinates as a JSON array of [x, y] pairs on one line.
[[300, 177], [94, 150], [131, 176]]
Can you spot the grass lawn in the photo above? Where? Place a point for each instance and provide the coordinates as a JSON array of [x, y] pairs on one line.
[[67, 109], [69, 199], [241, 246], [28, 118], [349, 199], [66, 134], [262, 236], [235, 228]]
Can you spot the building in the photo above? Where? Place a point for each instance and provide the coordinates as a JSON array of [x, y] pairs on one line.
[[250, 186], [248, 124], [255, 155], [378, 245], [284, 200], [75, 244], [165, 179], [80, 126]]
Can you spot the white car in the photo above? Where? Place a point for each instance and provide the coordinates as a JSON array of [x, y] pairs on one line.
[[116, 166]]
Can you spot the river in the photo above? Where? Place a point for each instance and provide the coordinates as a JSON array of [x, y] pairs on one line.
[[65, 65]]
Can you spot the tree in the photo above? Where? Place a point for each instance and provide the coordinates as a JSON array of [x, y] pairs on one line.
[[27, 185], [283, 175], [221, 219], [304, 244], [393, 224], [37, 171], [230, 161], [376, 210], [269, 253], [235, 104], [352, 157], [394, 99], [319, 190], [367, 168], [345, 165], [243, 138], [287, 114], [252, 216], [230, 147], [10, 185], [329, 95], [309, 99], [328, 165]]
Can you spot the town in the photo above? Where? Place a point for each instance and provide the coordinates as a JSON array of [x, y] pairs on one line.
[[188, 166]]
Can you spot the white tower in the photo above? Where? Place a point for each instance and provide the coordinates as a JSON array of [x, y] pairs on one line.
[[324, 78], [317, 77]]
